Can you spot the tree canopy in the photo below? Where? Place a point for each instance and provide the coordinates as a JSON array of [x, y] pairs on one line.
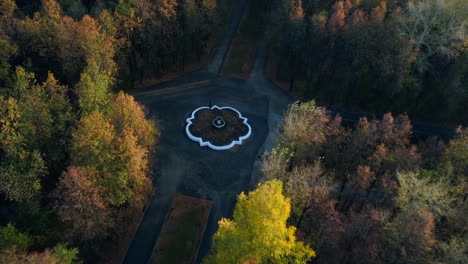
[[378, 56], [258, 232], [366, 193], [74, 153]]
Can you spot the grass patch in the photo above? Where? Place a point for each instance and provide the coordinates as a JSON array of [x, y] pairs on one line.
[[241, 56], [182, 232]]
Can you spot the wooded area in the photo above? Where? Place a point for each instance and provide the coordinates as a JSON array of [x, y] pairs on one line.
[[77, 152], [378, 56], [364, 194], [369, 195], [74, 151]]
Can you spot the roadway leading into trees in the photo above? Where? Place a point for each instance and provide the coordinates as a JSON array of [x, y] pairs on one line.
[[221, 50], [185, 167]]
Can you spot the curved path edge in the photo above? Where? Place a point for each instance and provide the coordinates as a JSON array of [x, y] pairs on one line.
[[221, 51]]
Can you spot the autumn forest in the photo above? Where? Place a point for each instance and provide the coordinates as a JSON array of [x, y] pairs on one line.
[[95, 97]]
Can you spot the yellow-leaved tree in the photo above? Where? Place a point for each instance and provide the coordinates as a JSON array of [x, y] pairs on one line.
[[258, 233]]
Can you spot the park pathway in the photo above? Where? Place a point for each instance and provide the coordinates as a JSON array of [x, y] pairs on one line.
[[221, 50], [185, 167]]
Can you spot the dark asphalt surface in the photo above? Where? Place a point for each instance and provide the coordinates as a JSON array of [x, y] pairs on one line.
[[445, 133], [185, 167], [221, 50]]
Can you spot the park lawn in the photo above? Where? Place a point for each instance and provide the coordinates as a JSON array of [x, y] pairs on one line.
[[182, 232], [241, 55]]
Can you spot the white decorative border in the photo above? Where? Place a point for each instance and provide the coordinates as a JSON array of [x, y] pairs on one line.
[[207, 143]]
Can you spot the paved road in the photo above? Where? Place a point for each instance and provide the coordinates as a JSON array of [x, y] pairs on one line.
[[220, 53], [184, 166], [187, 168], [445, 133]]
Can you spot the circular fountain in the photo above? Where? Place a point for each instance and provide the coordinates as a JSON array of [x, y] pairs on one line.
[[219, 128]]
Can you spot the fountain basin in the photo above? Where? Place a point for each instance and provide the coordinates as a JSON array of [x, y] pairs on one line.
[[218, 128]]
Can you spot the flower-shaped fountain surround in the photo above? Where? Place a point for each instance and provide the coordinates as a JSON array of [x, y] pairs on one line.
[[219, 128]]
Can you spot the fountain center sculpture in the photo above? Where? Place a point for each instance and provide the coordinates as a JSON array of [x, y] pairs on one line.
[[218, 122]]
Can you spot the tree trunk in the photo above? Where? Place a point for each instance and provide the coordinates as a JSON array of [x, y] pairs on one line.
[[132, 67], [292, 75]]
